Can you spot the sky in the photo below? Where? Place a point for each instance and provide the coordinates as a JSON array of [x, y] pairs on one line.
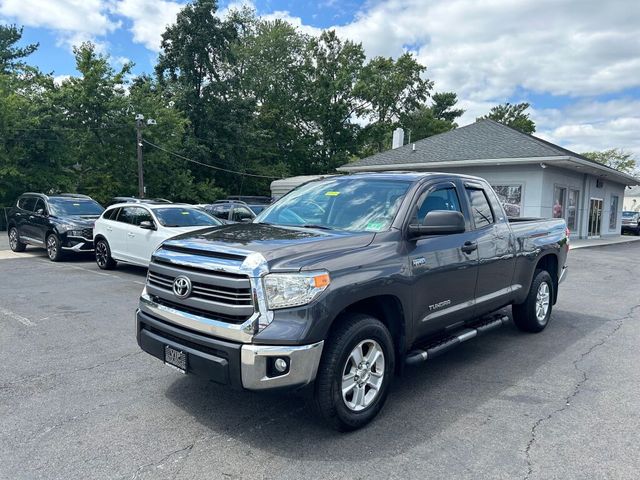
[[576, 61]]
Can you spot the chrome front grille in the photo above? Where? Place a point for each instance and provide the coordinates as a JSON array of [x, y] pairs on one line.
[[217, 295]]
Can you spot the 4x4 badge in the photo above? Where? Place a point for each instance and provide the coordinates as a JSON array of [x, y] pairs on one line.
[[182, 287]]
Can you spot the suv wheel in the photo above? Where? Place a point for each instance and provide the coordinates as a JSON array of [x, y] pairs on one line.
[[54, 250], [14, 241], [355, 373], [533, 314], [103, 255]]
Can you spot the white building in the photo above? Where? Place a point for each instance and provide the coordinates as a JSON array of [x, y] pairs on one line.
[[533, 177]]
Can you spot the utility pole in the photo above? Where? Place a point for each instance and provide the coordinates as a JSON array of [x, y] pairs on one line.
[[139, 126], [139, 119]]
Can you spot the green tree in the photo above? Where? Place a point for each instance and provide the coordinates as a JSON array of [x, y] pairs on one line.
[[426, 121], [616, 158], [388, 89], [513, 115], [11, 56]]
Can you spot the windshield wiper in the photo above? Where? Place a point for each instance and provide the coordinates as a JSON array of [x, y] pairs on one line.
[[311, 225]]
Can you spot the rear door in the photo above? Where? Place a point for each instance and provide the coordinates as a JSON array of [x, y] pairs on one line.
[[495, 243], [443, 270], [141, 242], [24, 219], [116, 232]]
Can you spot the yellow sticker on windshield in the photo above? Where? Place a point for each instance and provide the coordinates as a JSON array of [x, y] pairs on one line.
[[332, 194]]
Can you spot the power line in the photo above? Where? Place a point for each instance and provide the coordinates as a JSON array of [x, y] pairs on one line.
[[207, 165]]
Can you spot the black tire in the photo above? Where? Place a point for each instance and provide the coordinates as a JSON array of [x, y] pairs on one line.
[[337, 357], [528, 315], [103, 255], [54, 249], [14, 241]]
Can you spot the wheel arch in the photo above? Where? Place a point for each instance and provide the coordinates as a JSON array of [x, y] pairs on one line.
[[388, 309], [549, 263]]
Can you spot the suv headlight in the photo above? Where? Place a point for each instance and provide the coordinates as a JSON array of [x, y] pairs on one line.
[[284, 290], [75, 233]]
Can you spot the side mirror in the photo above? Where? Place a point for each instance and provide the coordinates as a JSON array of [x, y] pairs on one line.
[[439, 222], [147, 225]]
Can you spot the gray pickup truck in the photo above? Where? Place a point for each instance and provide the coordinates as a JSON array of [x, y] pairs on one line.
[[344, 281]]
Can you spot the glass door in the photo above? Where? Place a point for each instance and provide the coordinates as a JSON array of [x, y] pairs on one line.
[[595, 217]]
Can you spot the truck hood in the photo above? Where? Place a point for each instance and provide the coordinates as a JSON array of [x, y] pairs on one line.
[[284, 248]]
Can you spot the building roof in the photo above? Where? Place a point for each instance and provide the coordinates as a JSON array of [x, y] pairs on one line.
[[484, 142]]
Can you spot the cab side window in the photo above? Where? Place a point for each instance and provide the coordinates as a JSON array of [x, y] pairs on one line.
[[128, 215], [480, 209], [221, 212], [440, 199]]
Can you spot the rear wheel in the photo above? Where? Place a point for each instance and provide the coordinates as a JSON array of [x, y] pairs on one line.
[[54, 250], [14, 241], [533, 314], [103, 255], [355, 373]]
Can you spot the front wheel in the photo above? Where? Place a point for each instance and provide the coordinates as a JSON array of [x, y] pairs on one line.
[[355, 373], [103, 255], [533, 314], [54, 249], [14, 241]]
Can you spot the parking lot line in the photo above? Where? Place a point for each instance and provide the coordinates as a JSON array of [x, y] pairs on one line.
[[23, 320]]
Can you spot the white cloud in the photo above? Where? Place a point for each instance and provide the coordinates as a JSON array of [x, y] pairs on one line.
[[149, 19], [74, 21]]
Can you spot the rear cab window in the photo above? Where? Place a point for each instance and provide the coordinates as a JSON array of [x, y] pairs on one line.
[[481, 211]]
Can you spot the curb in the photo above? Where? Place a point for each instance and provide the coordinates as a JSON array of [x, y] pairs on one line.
[[606, 243]]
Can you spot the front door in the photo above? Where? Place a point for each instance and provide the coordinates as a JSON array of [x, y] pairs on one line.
[[595, 217], [443, 270]]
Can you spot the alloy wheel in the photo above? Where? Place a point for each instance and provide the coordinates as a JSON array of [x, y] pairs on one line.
[[13, 239], [363, 375], [101, 254], [543, 298], [52, 247]]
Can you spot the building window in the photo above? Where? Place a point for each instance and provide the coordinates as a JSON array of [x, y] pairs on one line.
[[511, 198], [572, 209], [559, 202], [613, 213]]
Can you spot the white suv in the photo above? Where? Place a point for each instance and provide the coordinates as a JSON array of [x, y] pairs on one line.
[[130, 232]]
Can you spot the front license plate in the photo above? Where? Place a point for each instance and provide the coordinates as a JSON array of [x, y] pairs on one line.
[[175, 358]]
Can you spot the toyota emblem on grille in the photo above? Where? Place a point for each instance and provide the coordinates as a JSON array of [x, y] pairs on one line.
[[182, 287]]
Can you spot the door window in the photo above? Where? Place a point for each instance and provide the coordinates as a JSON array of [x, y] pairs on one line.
[[221, 212], [242, 214], [480, 209], [559, 202], [27, 203], [613, 212], [572, 209], [134, 215], [40, 206], [440, 199]]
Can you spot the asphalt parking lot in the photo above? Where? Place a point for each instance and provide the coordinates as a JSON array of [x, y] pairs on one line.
[[79, 400]]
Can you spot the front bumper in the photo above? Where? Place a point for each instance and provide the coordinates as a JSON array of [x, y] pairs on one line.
[[238, 365], [77, 244]]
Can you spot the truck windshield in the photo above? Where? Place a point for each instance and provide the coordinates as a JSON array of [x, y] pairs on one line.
[[184, 217], [353, 204], [74, 206]]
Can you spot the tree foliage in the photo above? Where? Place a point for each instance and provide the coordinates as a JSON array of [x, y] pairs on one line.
[[514, 116], [238, 101], [616, 158]]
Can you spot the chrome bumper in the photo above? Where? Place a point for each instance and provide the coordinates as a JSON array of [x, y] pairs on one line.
[[303, 365], [78, 247]]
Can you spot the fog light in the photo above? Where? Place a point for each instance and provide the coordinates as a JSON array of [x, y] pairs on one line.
[[281, 365]]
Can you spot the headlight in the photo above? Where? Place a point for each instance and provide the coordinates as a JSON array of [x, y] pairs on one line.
[[285, 290], [75, 233]]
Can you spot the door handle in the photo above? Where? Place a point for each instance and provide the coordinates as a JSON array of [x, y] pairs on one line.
[[469, 247], [131, 234], [109, 229]]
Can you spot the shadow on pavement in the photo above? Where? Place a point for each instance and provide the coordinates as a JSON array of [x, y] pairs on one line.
[[424, 401]]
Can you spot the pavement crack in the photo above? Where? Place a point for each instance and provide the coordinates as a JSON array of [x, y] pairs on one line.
[[578, 386], [164, 459], [30, 378]]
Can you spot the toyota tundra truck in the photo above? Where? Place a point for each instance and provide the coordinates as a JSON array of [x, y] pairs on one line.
[[343, 282]]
